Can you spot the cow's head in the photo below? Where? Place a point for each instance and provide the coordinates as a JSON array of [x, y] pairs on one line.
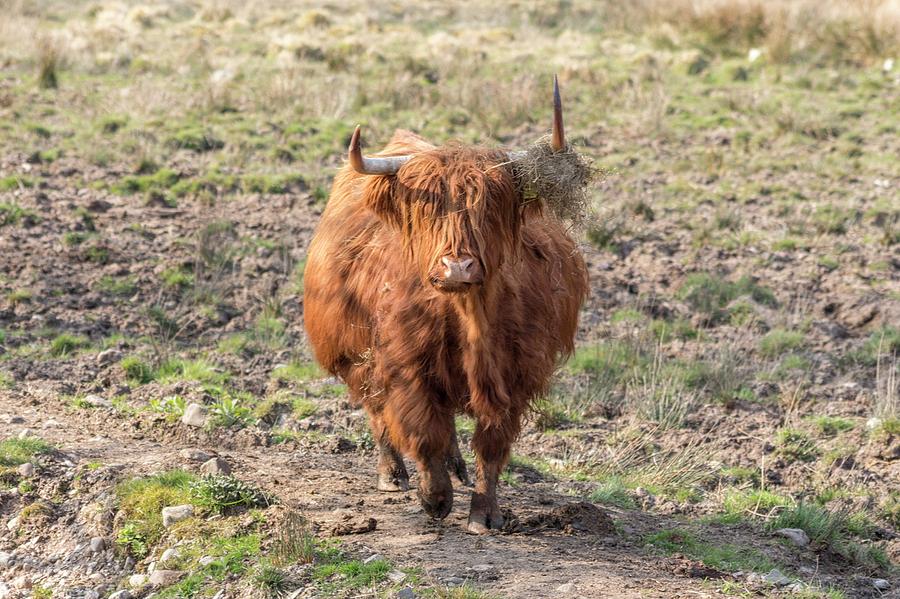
[[458, 207]]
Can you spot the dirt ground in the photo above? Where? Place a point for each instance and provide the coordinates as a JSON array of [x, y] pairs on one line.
[[163, 168]]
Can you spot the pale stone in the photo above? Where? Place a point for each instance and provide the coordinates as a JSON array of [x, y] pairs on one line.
[[796, 535], [176, 513], [194, 415], [165, 578], [215, 466]]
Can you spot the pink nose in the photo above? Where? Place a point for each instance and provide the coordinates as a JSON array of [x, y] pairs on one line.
[[462, 270]]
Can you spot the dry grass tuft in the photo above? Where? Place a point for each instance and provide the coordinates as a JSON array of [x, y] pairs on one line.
[[49, 58], [561, 179]]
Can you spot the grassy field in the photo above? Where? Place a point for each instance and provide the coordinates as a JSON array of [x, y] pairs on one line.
[[163, 166]]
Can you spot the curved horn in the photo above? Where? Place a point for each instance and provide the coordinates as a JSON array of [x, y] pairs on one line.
[[558, 141], [387, 165]]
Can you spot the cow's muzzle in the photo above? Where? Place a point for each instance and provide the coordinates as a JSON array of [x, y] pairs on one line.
[[456, 273]]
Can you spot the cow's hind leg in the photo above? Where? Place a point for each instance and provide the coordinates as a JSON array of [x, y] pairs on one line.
[[456, 465], [392, 474], [491, 445]]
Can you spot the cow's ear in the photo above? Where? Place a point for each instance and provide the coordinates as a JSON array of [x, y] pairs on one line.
[[379, 197]]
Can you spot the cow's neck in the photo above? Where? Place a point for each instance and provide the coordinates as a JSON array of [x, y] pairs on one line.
[[488, 395]]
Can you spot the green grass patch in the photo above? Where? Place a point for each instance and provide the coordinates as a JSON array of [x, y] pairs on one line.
[[727, 558], [18, 296], [780, 341], [177, 278], [829, 426], [756, 502], [298, 372], [613, 492], [350, 575], [795, 445], [14, 452], [65, 344], [137, 371], [710, 294], [142, 501], [220, 494], [116, 285]]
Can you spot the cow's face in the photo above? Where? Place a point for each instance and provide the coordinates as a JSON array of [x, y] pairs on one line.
[[458, 211]]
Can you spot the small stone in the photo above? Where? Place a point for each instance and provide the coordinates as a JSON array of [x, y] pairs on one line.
[[206, 560], [123, 594], [873, 423], [13, 524], [97, 401], [4, 590], [26, 433], [396, 576], [51, 423], [22, 582], [776, 578], [796, 535], [176, 513], [26, 469], [6, 559], [481, 567], [170, 554], [881, 584], [372, 558], [164, 578], [98, 544], [454, 581], [108, 356], [91, 594], [194, 455], [566, 588], [194, 415], [406, 593], [215, 466]]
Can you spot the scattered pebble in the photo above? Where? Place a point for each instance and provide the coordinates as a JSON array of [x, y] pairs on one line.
[[481, 567], [372, 558], [566, 588], [51, 423], [776, 578], [165, 578], [206, 560], [170, 554], [123, 594], [97, 401], [881, 584], [26, 433], [194, 415], [396, 576], [13, 523], [26, 469], [796, 535], [454, 581], [406, 593], [98, 544], [6, 559], [108, 356], [194, 455], [215, 466], [176, 513]]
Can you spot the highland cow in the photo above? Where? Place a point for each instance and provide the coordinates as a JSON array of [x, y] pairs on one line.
[[432, 288]]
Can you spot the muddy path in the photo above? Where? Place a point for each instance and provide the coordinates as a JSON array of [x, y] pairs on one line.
[[540, 560]]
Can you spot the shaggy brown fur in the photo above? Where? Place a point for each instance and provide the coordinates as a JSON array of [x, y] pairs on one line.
[[413, 355]]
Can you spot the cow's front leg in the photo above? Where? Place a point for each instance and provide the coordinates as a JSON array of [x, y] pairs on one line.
[[491, 444], [423, 430], [392, 474]]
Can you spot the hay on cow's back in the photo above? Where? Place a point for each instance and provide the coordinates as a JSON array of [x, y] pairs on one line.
[[560, 179]]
